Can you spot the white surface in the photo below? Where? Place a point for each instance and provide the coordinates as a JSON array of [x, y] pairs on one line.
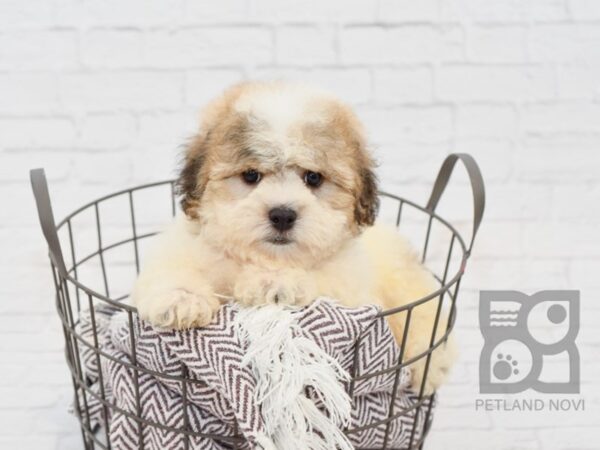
[[102, 93]]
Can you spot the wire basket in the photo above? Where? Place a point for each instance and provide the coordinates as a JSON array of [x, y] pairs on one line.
[[97, 261]]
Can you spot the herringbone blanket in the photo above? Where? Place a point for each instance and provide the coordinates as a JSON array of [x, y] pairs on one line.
[[224, 398]]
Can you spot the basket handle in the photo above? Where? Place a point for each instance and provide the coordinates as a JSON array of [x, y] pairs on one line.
[[39, 186], [477, 187]]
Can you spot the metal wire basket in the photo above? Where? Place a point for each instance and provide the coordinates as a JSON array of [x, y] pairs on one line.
[[76, 290]]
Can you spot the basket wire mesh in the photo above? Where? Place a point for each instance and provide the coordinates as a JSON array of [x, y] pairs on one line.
[[73, 294]]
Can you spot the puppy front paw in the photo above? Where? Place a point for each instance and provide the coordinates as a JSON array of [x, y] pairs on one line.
[[180, 309], [259, 289]]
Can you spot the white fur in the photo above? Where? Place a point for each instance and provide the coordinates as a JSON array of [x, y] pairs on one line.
[[281, 107]]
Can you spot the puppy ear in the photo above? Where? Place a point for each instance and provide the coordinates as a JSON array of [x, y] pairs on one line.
[[190, 183], [217, 116], [367, 200]]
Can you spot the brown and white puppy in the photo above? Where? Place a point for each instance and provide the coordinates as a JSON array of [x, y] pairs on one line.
[[280, 197]]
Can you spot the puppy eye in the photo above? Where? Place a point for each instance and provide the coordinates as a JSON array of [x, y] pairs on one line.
[[313, 179], [251, 176]]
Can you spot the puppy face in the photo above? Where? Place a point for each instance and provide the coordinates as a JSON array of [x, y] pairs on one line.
[[279, 174]]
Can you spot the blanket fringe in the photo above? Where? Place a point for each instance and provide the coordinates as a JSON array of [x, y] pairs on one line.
[[284, 363]]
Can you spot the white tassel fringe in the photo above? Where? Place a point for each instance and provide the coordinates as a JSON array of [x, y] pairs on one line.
[[284, 363]]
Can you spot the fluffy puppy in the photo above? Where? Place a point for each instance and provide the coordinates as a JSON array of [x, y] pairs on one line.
[[279, 197]]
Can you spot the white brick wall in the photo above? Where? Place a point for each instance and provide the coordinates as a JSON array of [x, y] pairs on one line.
[[102, 93]]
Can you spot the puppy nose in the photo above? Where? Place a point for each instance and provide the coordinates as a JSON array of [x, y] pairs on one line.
[[282, 218]]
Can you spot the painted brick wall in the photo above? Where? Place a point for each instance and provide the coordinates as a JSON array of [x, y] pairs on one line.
[[103, 92]]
